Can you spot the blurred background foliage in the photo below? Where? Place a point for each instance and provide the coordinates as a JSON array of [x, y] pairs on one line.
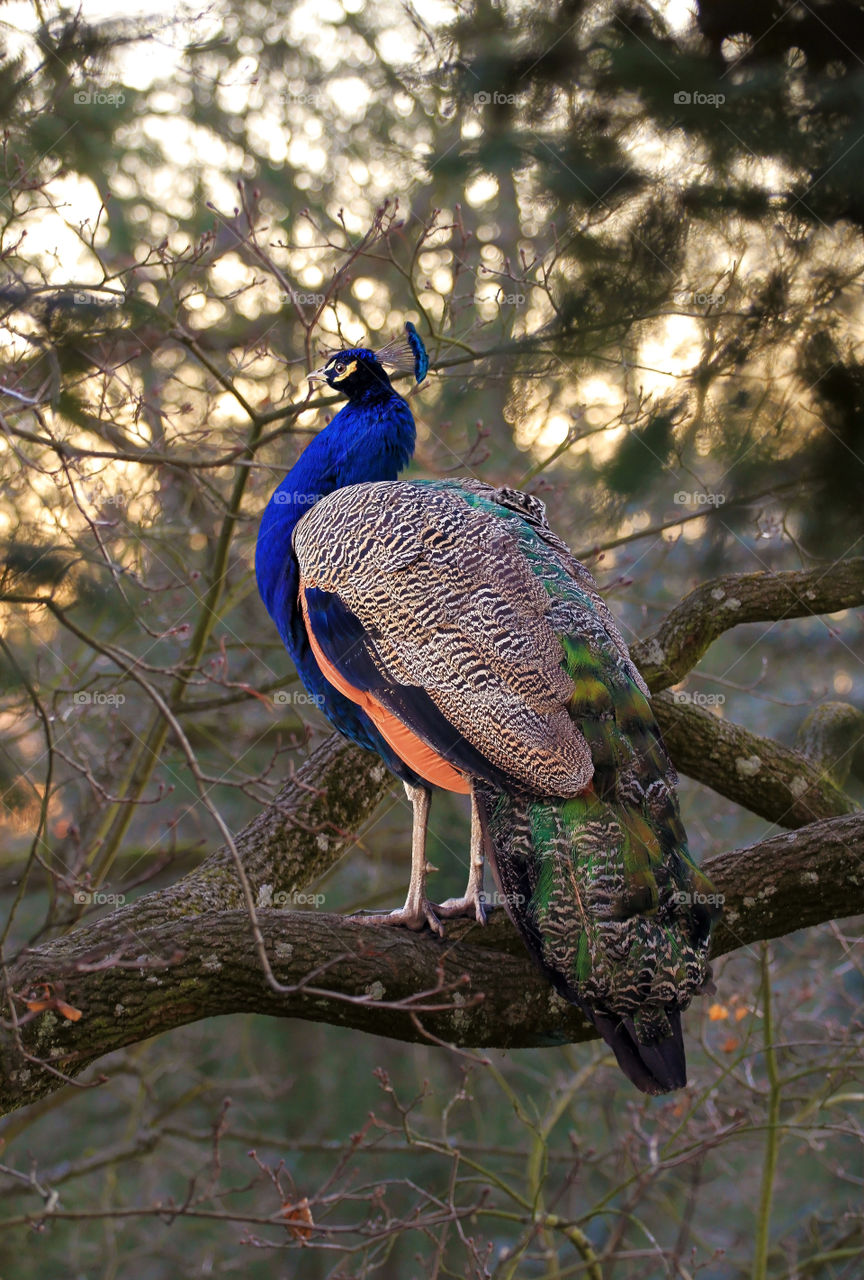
[[631, 237]]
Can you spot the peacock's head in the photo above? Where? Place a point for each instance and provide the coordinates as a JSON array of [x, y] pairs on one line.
[[356, 372], [359, 372]]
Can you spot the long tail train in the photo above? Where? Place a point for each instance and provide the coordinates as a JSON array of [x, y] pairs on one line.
[[612, 908]]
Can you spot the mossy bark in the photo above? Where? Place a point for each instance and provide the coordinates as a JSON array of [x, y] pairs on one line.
[[186, 951], [475, 988]]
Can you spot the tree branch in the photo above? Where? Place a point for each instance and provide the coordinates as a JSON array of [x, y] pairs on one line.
[[185, 952], [832, 738], [762, 775], [685, 634], [476, 988], [786, 786]]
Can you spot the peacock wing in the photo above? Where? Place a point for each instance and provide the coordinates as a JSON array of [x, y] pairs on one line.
[[433, 593]]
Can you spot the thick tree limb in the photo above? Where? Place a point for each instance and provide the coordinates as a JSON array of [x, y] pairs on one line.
[[686, 633], [789, 787], [185, 952], [478, 987], [762, 775], [832, 739]]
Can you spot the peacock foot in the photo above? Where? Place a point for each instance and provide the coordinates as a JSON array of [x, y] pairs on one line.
[[471, 905], [414, 917]]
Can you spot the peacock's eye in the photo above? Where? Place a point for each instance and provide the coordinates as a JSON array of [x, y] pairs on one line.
[[339, 366]]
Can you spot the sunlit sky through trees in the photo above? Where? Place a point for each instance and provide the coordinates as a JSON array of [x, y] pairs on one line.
[[631, 237]]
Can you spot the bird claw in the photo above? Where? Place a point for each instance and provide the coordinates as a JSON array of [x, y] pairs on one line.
[[472, 906], [415, 919], [426, 913]]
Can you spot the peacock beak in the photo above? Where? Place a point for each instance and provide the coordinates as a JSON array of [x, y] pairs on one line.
[[317, 375]]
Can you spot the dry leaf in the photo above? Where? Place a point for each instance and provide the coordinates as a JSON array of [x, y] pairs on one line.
[[298, 1218], [48, 1000]]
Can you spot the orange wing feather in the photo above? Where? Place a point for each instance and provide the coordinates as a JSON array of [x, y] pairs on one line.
[[410, 749]]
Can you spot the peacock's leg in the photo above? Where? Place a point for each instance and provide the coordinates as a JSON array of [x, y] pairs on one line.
[[471, 903], [418, 910]]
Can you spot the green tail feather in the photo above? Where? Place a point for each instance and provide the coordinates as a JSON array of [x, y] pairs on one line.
[[602, 886], [615, 914]]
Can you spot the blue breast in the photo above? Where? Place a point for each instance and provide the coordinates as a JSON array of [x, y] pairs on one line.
[[360, 444]]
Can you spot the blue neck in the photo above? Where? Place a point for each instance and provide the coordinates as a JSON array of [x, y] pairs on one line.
[[366, 441]]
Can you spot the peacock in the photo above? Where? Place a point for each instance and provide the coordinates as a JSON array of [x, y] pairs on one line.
[[445, 626]]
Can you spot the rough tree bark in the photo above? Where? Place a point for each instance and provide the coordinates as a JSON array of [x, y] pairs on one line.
[[686, 633], [186, 952], [774, 781]]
